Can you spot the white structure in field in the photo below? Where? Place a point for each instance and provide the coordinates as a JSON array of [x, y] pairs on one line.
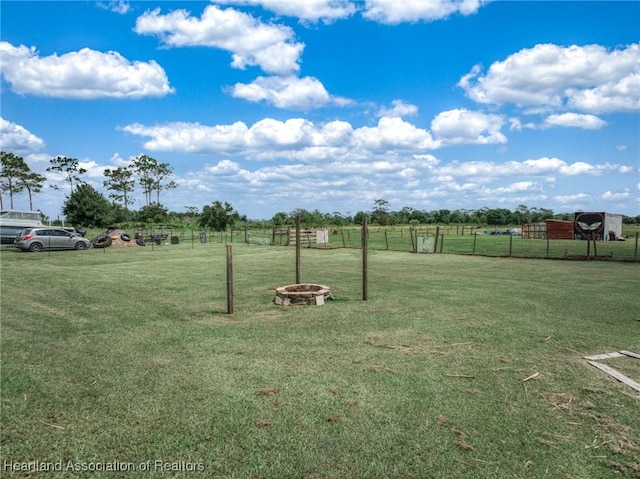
[[599, 226]]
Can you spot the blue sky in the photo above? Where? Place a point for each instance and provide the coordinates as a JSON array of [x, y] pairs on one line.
[[274, 105]]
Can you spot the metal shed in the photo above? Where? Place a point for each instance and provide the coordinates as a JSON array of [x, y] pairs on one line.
[[551, 229]]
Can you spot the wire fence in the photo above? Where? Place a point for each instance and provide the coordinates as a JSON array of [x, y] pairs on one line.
[[475, 242], [461, 240]]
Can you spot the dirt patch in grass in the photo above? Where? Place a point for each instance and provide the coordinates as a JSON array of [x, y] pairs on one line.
[[419, 345], [267, 392], [381, 369], [560, 401], [387, 341]]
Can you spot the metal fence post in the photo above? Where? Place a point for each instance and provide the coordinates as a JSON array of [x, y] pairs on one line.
[[548, 245], [365, 234], [229, 279], [298, 249]]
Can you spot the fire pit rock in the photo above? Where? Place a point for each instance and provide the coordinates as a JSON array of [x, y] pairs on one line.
[[302, 294]]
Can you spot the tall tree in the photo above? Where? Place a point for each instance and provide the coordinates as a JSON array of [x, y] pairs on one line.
[[33, 183], [120, 182], [143, 167], [218, 216], [152, 175], [162, 172], [69, 168], [380, 213], [88, 208], [153, 213], [12, 168]]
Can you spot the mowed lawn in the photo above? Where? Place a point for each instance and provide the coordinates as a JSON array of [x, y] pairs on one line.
[[456, 366]]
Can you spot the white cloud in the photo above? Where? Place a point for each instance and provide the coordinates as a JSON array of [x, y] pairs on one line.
[[395, 11], [578, 197], [586, 78], [192, 137], [121, 7], [85, 74], [461, 126], [252, 43], [576, 120], [616, 95], [393, 133], [307, 10], [399, 109], [611, 196], [17, 139], [516, 187], [288, 92]]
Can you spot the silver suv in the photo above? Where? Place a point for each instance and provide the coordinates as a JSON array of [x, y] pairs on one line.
[[37, 239]]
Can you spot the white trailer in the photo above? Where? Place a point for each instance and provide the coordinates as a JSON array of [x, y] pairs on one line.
[[599, 226]]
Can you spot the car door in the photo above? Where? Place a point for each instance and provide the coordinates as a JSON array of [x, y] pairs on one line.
[[46, 238], [61, 239]]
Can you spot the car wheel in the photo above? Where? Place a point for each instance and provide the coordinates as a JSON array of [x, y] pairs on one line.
[[125, 237], [35, 247], [80, 245]]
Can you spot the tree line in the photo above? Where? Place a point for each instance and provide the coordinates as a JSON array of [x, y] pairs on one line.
[[85, 206], [382, 215]]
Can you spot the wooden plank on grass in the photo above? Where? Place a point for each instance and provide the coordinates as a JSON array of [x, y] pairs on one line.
[[619, 376], [604, 356], [629, 353]]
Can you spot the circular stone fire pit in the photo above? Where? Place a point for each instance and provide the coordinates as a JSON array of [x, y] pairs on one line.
[[302, 294]]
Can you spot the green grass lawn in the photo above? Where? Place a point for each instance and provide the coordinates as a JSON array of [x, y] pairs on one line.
[[126, 355]]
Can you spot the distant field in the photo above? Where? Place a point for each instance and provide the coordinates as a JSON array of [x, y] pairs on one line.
[[456, 366]]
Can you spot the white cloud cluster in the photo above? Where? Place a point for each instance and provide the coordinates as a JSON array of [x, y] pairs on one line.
[[587, 78], [302, 139], [85, 74], [271, 47], [541, 167], [389, 12], [393, 11], [421, 181], [295, 138], [18, 139], [252, 43], [616, 196]]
